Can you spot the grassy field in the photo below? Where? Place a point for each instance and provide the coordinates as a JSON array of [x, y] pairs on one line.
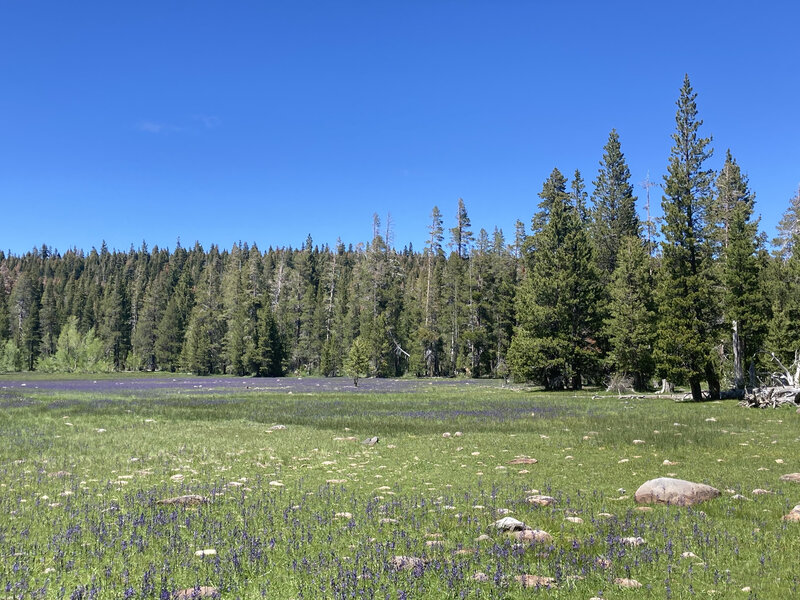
[[300, 508]]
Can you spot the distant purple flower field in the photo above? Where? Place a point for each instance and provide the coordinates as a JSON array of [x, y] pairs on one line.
[[196, 385]]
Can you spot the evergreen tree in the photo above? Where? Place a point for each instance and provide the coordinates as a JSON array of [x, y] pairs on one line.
[[614, 215], [557, 302], [788, 229], [357, 360], [745, 306], [686, 292], [171, 330], [205, 332], [631, 326]]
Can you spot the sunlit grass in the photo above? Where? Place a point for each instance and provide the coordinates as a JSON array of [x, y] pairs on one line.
[[306, 510]]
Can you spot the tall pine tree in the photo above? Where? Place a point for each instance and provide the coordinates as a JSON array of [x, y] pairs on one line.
[[686, 292]]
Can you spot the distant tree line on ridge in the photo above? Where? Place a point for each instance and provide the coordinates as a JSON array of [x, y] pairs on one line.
[[588, 290]]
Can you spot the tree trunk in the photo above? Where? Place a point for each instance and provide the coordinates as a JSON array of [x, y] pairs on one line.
[[738, 369], [713, 381], [666, 387], [697, 392], [576, 382]]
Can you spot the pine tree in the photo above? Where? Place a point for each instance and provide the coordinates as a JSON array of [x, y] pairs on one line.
[[557, 302], [614, 215], [631, 326], [745, 306], [686, 294], [788, 229], [171, 330]]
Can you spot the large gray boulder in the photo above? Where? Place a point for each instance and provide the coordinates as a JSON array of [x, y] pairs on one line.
[[678, 492]]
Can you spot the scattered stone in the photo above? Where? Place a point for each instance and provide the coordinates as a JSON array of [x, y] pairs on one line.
[[406, 563], [509, 524], [388, 521], [638, 441], [679, 492], [59, 474], [602, 562], [794, 514], [576, 520], [343, 515], [605, 515], [206, 552], [370, 441], [688, 555], [538, 536], [482, 538], [644, 508], [759, 491], [458, 434], [188, 500], [535, 581], [746, 589], [434, 543], [795, 477], [633, 541], [277, 427], [523, 460], [739, 497], [480, 576], [276, 484], [204, 591], [668, 463], [446, 434], [540, 500], [711, 420], [627, 583]]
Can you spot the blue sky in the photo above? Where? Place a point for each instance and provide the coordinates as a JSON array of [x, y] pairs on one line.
[[266, 121]]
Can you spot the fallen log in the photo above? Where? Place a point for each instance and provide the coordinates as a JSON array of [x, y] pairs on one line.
[[771, 397]]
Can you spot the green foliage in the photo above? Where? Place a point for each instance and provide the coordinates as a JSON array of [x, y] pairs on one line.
[[685, 295], [10, 357], [557, 303], [76, 353], [614, 215], [631, 325], [358, 363]]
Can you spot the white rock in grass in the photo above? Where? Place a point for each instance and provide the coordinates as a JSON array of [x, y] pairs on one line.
[[633, 541], [665, 490], [509, 524], [276, 484], [206, 552]]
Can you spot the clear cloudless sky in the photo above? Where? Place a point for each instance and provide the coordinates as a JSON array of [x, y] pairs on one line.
[[267, 121]]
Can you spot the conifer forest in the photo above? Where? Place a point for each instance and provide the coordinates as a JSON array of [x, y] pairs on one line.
[[583, 290]]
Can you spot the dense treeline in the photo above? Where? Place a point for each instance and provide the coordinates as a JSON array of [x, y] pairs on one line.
[[586, 292]]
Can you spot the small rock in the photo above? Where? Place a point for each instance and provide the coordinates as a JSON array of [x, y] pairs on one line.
[[482, 538], [795, 477], [759, 491], [458, 434], [633, 541], [204, 591], [794, 514], [665, 490], [627, 583], [538, 536], [446, 434], [277, 427], [535, 581], [406, 563], [388, 521], [739, 497], [746, 589], [688, 555], [509, 524], [59, 474], [668, 463], [370, 441], [638, 441], [540, 500], [602, 562], [480, 576], [206, 552], [276, 484], [576, 520], [523, 460], [343, 515]]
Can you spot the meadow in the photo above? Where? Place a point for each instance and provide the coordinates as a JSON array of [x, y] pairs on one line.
[[296, 506]]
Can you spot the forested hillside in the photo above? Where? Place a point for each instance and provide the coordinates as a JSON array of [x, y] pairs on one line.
[[581, 289]]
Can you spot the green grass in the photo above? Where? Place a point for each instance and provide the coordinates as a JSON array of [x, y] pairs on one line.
[[79, 518]]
